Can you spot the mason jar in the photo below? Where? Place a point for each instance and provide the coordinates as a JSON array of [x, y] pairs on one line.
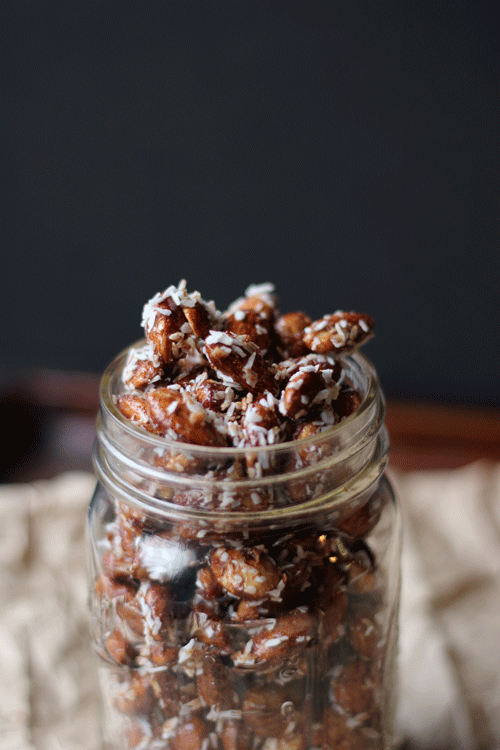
[[246, 598]]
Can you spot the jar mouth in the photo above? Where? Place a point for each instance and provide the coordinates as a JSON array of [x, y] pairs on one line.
[[326, 470], [346, 432], [359, 486]]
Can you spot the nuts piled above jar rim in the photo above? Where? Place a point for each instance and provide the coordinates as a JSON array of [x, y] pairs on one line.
[[243, 378]]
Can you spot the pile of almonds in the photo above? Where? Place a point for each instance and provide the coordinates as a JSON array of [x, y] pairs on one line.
[[244, 377], [252, 642]]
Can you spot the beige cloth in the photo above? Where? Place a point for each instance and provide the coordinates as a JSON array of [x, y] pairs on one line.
[[449, 693]]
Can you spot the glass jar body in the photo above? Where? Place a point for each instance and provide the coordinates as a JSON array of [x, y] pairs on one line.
[[222, 627]]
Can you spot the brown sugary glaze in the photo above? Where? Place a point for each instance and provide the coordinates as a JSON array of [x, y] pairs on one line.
[[241, 642], [248, 376]]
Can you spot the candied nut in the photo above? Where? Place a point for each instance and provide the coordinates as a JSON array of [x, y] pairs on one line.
[[140, 370], [365, 632], [164, 324], [191, 733], [245, 573], [158, 654], [347, 401], [156, 608], [355, 687], [135, 695], [129, 612], [115, 589], [334, 613], [297, 581], [178, 461], [239, 362], [115, 566], [362, 575], [262, 710], [258, 297], [295, 740], [200, 318], [310, 454], [119, 648], [207, 584], [141, 692], [213, 680], [214, 395], [257, 498], [165, 688], [190, 656], [363, 520], [290, 329], [262, 423], [179, 417], [190, 374], [249, 325], [138, 733], [123, 536], [292, 632], [236, 736], [301, 392], [312, 381], [248, 610], [331, 369], [211, 632], [341, 332], [252, 318], [136, 409], [131, 517], [339, 732], [313, 425]]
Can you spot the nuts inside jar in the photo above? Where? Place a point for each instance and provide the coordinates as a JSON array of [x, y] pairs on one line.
[[218, 639]]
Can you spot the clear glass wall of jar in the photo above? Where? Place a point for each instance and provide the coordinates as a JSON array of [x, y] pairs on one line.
[[246, 599]]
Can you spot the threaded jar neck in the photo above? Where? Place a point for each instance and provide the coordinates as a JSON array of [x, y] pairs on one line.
[[243, 485]]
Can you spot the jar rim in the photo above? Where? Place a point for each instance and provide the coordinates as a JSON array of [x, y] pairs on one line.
[[358, 485], [359, 419]]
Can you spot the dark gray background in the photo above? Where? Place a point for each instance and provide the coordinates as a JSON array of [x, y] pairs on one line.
[[346, 151]]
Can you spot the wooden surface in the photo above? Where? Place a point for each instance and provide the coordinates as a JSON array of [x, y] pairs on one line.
[[51, 417], [435, 436]]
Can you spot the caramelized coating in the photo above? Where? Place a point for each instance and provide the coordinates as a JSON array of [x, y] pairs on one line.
[[362, 520], [191, 733], [292, 632], [365, 632], [339, 732], [176, 414], [136, 409], [214, 683], [252, 318], [239, 361], [347, 401], [214, 630], [290, 330], [119, 648], [341, 332], [262, 710], [245, 573], [300, 393], [236, 736], [164, 331], [355, 687]]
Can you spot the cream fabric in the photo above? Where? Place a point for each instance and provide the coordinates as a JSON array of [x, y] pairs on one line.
[[449, 692], [48, 698]]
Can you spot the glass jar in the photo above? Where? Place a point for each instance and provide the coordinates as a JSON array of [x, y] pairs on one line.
[[246, 599]]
